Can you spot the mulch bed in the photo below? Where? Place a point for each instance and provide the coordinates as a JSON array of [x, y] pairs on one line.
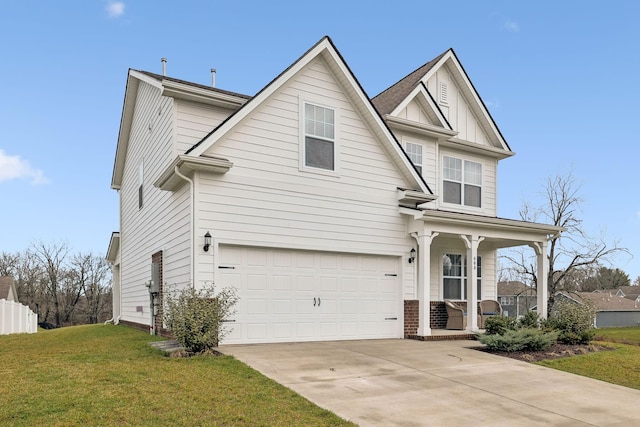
[[556, 351]]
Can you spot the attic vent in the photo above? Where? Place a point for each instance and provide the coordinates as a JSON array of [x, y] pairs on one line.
[[444, 93]]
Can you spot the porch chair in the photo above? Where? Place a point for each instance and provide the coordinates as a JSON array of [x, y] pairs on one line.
[[488, 308], [456, 316]]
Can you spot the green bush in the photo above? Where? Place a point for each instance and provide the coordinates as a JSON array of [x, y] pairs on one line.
[[498, 325], [520, 340], [574, 321], [530, 320], [196, 317]]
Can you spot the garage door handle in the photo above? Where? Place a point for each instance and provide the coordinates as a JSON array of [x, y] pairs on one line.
[[226, 266], [390, 318], [391, 275], [319, 301], [314, 301]]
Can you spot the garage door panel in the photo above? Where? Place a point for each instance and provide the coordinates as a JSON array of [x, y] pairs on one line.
[[277, 289]]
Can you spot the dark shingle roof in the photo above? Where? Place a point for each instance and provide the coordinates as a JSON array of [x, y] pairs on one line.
[[5, 286], [386, 101], [213, 89], [514, 287]]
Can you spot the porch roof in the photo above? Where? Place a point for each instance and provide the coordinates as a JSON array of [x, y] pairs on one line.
[[501, 232]]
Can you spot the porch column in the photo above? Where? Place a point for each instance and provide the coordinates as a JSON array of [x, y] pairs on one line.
[[472, 242], [542, 288], [424, 274]]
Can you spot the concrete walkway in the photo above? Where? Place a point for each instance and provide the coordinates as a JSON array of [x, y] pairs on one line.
[[413, 383]]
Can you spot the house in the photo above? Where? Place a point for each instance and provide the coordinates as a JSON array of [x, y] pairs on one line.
[[8, 289], [629, 292], [516, 298], [335, 216], [611, 310]]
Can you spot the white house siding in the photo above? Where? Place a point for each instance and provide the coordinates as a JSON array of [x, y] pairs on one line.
[[456, 110], [266, 200], [163, 221], [195, 120], [414, 112]]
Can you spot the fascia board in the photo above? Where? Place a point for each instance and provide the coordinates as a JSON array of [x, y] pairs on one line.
[[145, 78], [421, 128], [497, 153], [114, 247], [184, 91], [491, 222], [187, 165], [126, 121]]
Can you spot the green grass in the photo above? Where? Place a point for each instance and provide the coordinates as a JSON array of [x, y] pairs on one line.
[[109, 375], [620, 366]]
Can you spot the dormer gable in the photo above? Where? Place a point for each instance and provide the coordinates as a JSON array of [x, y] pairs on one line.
[[443, 87]]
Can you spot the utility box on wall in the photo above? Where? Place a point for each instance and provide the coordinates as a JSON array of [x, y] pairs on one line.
[[155, 278]]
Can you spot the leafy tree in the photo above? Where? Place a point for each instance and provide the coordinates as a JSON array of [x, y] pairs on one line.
[[569, 251], [606, 278]]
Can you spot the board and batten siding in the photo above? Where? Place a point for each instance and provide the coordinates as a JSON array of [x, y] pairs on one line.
[[194, 120], [267, 200], [456, 110], [163, 221]]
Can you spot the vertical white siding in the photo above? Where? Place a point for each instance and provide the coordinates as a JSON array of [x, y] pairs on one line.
[[266, 200], [163, 221], [457, 109], [414, 112]]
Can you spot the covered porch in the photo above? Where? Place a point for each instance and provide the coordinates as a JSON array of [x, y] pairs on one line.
[[456, 259]]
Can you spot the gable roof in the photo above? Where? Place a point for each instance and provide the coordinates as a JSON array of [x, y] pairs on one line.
[[168, 86], [608, 302], [388, 101], [7, 288], [325, 48], [514, 287]]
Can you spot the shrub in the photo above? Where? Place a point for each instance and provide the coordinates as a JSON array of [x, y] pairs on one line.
[[530, 320], [520, 340], [195, 317], [498, 325], [574, 321]]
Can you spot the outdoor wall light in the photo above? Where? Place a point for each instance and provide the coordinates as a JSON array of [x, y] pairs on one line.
[[207, 242], [412, 255]]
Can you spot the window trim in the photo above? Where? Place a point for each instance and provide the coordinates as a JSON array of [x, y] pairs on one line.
[[463, 182], [303, 138], [463, 277], [419, 167]]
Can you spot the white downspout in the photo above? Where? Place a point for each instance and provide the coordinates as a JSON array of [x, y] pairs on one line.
[[193, 226]]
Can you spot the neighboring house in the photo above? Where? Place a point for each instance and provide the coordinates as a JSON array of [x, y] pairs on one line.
[[612, 310], [516, 298], [8, 289], [629, 292], [336, 216]]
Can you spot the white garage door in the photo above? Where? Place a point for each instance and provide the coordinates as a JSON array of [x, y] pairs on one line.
[[290, 295]]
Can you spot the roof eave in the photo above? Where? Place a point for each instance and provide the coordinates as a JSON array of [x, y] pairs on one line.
[[169, 180]]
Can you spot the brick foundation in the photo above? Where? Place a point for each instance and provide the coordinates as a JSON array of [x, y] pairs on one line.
[[411, 319]]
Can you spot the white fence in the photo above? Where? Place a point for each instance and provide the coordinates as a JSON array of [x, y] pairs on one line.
[[16, 318]]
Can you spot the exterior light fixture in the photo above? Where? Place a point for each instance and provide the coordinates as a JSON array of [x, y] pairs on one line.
[[207, 241], [412, 255]]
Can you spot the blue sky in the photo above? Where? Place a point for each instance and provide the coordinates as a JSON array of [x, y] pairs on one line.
[[560, 79]]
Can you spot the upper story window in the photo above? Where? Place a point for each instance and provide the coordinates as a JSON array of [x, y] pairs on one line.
[[462, 182], [414, 151], [140, 184], [319, 137]]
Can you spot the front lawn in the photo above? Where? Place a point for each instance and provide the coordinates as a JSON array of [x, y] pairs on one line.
[[109, 375], [620, 366]]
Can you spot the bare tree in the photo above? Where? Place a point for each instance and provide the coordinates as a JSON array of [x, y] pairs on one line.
[[8, 264], [30, 285], [636, 282], [51, 258], [93, 275], [571, 250]]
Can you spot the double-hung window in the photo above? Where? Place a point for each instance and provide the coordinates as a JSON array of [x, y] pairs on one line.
[[414, 151], [454, 277], [319, 137], [462, 182]]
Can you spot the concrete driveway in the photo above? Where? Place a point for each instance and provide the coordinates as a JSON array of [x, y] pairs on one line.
[[447, 383]]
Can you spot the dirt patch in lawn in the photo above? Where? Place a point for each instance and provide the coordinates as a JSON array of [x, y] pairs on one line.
[[556, 351]]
